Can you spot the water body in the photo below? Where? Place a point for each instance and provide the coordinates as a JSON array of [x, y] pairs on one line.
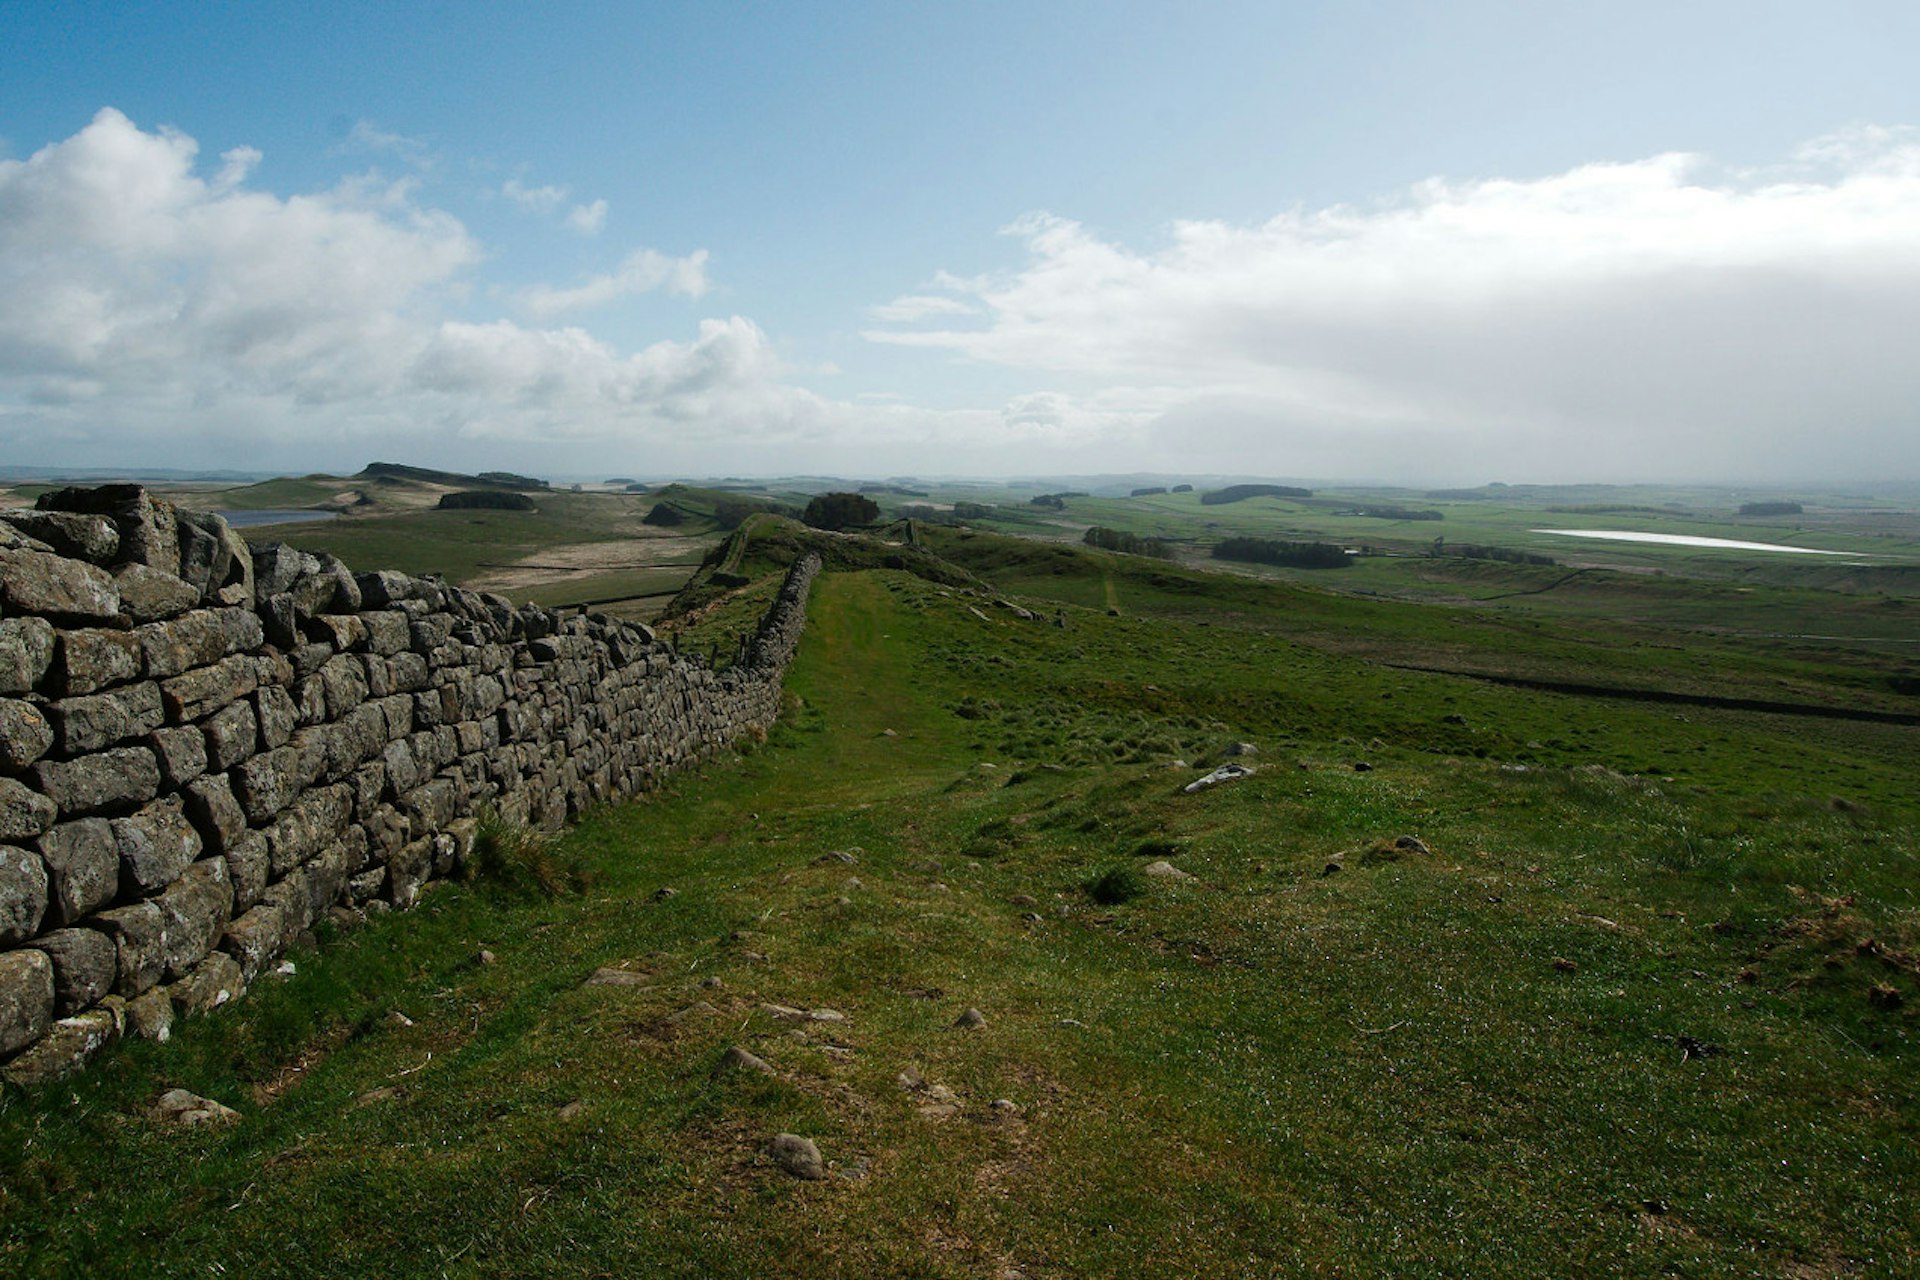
[[247, 519], [1689, 540]]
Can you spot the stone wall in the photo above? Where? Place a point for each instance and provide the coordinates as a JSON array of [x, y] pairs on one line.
[[206, 747]]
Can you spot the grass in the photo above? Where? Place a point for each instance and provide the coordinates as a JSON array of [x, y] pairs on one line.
[[1618, 1018]]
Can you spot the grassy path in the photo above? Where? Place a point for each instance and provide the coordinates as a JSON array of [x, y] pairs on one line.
[[1460, 1059]]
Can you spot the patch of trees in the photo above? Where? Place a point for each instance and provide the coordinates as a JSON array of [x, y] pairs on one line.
[[730, 512], [1241, 492], [1131, 543], [971, 511], [1393, 513], [1054, 501], [623, 480], [486, 499], [841, 511], [1293, 555], [1477, 551], [664, 516], [897, 489], [1183, 488], [1770, 509], [1148, 491]]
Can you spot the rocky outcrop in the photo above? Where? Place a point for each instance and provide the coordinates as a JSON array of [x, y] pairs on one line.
[[205, 747]]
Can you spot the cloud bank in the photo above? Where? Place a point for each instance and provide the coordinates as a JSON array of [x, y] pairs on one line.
[[1653, 318]]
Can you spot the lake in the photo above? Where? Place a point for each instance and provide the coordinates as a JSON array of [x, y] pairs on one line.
[[1689, 540], [246, 519]]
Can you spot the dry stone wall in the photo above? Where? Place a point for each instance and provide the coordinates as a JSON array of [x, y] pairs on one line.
[[206, 747]]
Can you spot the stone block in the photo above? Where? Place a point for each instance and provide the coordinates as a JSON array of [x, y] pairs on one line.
[[345, 681], [195, 639], [139, 935], [276, 567], [267, 783], [407, 870], [197, 694], [84, 966], [197, 907], [256, 939], [249, 864], [274, 708], [92, 658], [150, 1016], [214, 812], [358, 738], [83, 868], [313, 821], [344, 632], [26, 998], [24, 812], [215, 981], [182, 753], [382, 587], [148, 594], [232, 735], [25, 735], [123, 776], [203, 556], [155, 845], [76, 534], [23, 894], [67, 1046], [96, 720], [43, 583], [26, 651], [411, 673], [388, 632]]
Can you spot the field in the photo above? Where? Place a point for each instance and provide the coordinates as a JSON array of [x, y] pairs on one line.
[[1556, 939]]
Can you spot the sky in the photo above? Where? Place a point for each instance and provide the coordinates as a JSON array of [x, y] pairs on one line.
[[1414, 243]]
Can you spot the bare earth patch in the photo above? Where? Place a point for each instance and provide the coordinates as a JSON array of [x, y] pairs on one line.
[[584, 559]]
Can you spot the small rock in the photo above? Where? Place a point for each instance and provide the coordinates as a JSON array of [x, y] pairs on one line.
[[1164, 870], [712, 983], [1006, 1107], [484, 957], [1225, 773], [1361, 766], [970, 1019], [1691, 1048], [572, 1109], [385, 1093], [286, 968], [1023, 900], [616, 978], [1332, 868], [798, 1156], [739, 1059], [853, 882], [1412, 844], [177, 1106], [1564, 965], [398, 1019], [838, 855], [911, 1079], [664, 892], [696, 1009], [1241, 749], [1032, 917]]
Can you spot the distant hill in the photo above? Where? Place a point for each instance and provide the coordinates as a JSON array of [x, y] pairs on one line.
[[427, 475]]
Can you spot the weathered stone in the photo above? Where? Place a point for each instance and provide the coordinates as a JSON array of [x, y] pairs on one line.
[[431, 805], [24, 813], [155, 846], [70, 533], [274, 709], [278, 620], [197, 694], [182, 753], [383, 587], [25, 735], [84, 963], [797, 1156], [358, 738], [67, 1046], [313, 821], [148, 594], [387, 631], [23, 894], [150, 1016], [327, 877], [232, 735], [202, 554], [290, 894], [26, 651], [276, 567], [191, 640], [139, 935], [237, 586], [214, 812], [197, 907], [148, 525], [215, 981], [92, 721], [83, 868], [26, 998], [249, 862], [37, 582], [340, 631], [177, 1106], [407, 870], [103, 780], [267, 783], [345, 682], [92, 658], [738, 1059]]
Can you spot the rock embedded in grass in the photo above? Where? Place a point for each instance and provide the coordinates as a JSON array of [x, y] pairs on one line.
[[1164, 870], [737, 1059], [797, 1156], [178, 1106], [970, 1019]]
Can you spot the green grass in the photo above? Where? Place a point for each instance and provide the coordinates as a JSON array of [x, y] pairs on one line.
[[1469, 1060]]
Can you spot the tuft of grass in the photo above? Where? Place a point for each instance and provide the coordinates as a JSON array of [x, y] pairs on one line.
[[1116, 885], [518, 859]]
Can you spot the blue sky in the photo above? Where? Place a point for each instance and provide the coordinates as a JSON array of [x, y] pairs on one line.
[[1429, 243]]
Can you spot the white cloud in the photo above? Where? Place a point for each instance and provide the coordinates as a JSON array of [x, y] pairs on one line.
[[534, 199], [368, 136], [235, 168], [588, 219], [643, 271], [1651, 317], [919, 306]]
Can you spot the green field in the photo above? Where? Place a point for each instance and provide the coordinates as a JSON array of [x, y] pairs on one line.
[[1638, 997]]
